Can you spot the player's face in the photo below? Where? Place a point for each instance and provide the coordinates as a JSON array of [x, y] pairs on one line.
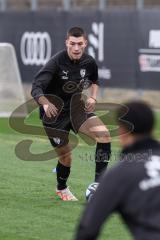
[[75, 47]]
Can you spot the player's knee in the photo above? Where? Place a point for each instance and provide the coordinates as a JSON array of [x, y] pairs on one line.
[[65, 160], [103, 137], [64, 154]]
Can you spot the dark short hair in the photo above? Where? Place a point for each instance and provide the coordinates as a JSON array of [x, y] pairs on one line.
[[138, 114], [76, 32]]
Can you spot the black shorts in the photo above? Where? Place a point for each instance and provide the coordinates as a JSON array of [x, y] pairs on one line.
[[58, 128]]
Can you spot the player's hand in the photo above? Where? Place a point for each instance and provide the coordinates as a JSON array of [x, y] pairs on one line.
[[90, 105], [50, 110]]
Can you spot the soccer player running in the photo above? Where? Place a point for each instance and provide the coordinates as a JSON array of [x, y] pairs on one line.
[[134, 183], [57, 88]]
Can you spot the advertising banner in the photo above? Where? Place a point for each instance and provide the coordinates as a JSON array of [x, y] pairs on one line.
[[125, 43]]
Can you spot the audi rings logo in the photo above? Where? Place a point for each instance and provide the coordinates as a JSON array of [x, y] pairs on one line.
[[35, 48]]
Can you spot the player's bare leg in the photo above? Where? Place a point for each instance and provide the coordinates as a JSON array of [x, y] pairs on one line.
[[95, 129], [64, 154]]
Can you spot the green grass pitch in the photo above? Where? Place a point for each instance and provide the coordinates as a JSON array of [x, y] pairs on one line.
[[29, 209]]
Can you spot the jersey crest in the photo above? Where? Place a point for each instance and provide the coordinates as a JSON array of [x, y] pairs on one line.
[[83, 72]]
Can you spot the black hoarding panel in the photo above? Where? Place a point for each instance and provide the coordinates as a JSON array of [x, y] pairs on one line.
[[124, 43], [36, 36], [149, 49]]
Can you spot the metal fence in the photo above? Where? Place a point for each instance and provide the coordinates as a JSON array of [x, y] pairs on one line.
[[68, 5]]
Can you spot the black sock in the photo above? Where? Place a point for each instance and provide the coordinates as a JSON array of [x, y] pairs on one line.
[[62, 176], [102, 156]]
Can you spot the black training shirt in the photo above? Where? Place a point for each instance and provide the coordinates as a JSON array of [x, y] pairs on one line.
[[63, 77], [131, 188]]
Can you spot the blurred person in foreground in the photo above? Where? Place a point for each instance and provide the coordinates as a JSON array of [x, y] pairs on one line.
[[57, 88], [134, 182]]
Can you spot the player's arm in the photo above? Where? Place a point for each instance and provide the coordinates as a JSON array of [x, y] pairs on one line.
[[49, 108], [92, 99], [40, 83], [106, 199], [93, 91]]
